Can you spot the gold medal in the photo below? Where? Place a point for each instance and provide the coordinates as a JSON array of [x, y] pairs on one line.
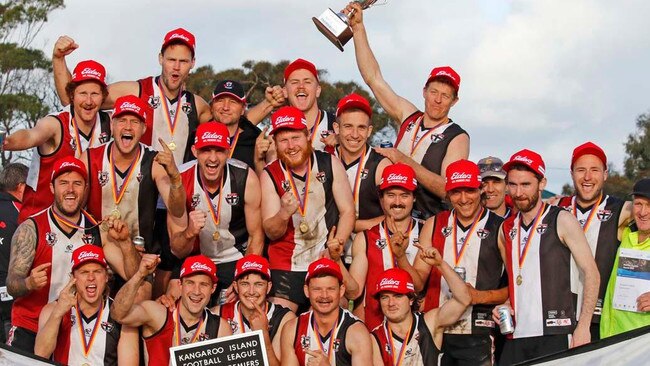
[[172, 146], [304, 228], [104, 226], [519, 280], [216, 236], [115, 214]]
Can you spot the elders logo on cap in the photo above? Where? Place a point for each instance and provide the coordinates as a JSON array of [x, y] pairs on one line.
[[83, 256], [389, 283], [178, 36], [394, 178], [198, 266], [128, 106], [211, 136], [523, 159], [461, 177], [68, 164], [90, 72], [248, 265]]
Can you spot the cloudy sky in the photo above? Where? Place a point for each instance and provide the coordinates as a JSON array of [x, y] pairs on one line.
[[541, 74]]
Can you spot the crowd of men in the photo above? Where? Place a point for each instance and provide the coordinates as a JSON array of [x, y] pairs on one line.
[[150, 218]]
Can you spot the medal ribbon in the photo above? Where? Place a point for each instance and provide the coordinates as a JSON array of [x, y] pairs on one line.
[[414, 145], [524, 252], [170, 124], [77, 136], [389, 336], [87, 346], [314, 128], [177, 327], [332, 334], [214, 214], [242, 325], [592, 213], [118, 194], [357, 180], [233, 142], [458, 254], [408, 239], [72, 225], [302, 202]]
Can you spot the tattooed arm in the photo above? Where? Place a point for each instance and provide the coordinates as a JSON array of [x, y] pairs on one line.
[[21, 279]]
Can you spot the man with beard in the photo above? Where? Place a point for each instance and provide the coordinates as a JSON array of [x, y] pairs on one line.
[[306, 199], [466, 237], [190, 321], [68, 132], [253, 311], [327, 334], [493, 186], [427, 141], [406, 337], [126, 176], [41, 250], [602, 217], [537, 246], [222, 199], [78, 328], [384, 245], [636, 243]]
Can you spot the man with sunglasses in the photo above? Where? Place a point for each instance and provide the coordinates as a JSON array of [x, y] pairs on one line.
[[493, 186]]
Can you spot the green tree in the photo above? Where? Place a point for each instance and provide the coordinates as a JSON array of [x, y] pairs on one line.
[[255, 76], [637, 148], [25, 73]]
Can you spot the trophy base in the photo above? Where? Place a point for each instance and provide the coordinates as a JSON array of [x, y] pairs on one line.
[[333, 28]]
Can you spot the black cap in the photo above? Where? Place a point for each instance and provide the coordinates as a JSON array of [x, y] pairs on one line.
[[230, 87], [642, 188]]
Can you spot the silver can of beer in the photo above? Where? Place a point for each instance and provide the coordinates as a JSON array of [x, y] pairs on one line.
[[461, 272], [223, 297], [385, 143], [505, 319], [138, 241]]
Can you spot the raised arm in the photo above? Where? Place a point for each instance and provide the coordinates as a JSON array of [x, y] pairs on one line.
[[252, 204], [203, 109], [359, 267], [573, 237], [63, 47], [45, 134], [273, 98], [119, 250], [21, 278], [452, 309], [50, 319], [168, 181], [397, 107], [420, 269]]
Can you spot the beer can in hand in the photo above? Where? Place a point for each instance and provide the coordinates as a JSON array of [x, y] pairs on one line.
[[138, 241], [385, 143], [461, 272], [505, 319]]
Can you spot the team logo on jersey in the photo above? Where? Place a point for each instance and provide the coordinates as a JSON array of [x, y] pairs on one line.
[[102, 177], [88, 238], [380, 243], [186, 108], [387, 349], [541, 228], [364, 174], [154, 102], [232, 199], [512, 233], [320, 176], [203, 337], [337, 344], [304, 342], [73, 144], [233, 326], [107, 327], [103, 137], [196, 199], [604, 215], [325, 133], [73, 319], [139, 177], [410, 126], [582, 222], [69, 248], [286, 186], [446, 231], [50, 238], [437, 137], [87, 331], [482, 233], [416, 241]]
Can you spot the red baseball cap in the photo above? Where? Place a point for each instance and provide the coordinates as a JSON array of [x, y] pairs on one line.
[[86, 254], [323, 266], [398, 175], [199, 264], [288, 117], [462, 174], [527, 158], [252, 263], [395, 280], [69, 164], [588, 148], [446, 72], [353, 101], [130, 104], [89, 70], [212, 134], [180, 35], [300, 64]]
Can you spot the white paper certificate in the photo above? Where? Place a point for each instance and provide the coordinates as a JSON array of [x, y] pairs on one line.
[[632, 278]]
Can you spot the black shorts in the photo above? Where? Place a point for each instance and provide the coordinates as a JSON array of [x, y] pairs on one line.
[[289, 285], [225, 276], [522, 349], [21, 338], [466, 349], [168, 261]]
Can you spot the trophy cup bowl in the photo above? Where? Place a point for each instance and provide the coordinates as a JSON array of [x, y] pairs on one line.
[[335, 26]]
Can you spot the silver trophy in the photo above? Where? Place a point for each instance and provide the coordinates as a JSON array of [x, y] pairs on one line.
[[335, 26]]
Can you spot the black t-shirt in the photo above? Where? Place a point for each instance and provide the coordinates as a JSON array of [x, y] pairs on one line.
[[245, 147]]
